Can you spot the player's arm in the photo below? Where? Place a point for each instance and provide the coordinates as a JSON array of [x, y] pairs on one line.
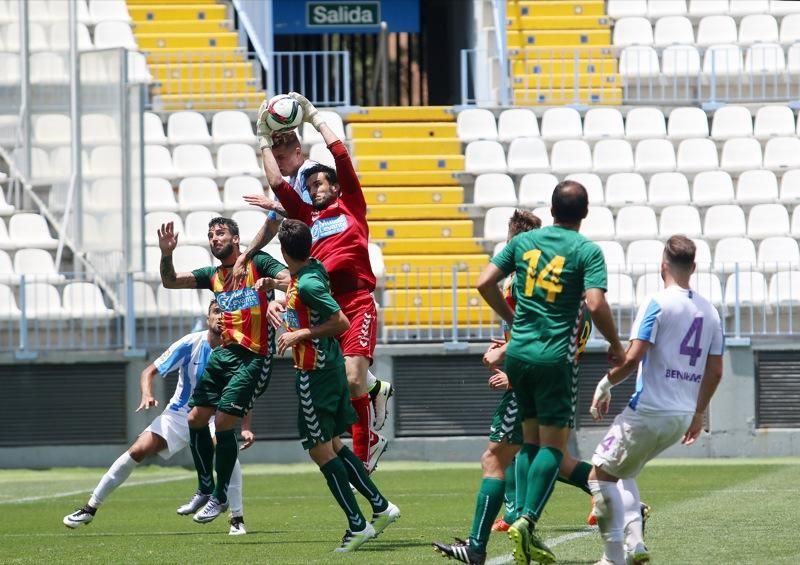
[[167, 241], [603, 320], [146, 385], [488, 288], [336, 324], [495, 354]]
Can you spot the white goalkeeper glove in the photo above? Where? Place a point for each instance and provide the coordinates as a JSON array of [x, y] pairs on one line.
[[310, 113], [262, 129], [602, 396]]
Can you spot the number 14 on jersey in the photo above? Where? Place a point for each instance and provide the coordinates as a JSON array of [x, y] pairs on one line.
[[547, 279]]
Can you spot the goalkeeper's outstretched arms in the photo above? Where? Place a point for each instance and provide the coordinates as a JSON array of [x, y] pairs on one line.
[[312, 116]]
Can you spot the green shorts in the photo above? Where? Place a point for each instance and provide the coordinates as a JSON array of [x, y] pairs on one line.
[[234, 377], [507, 421], [547, 393], [325, 410]]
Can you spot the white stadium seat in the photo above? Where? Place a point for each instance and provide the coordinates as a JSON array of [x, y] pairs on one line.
[[757, 187], [598, 224], [687, 123], [320, 153], [654, 156], [644, 123], [695, 155], [603, 123], [7, 273], [620, 292], [679, 219], [796, 222], [593, 185], [709, 286], [37, 265], [231, 126], [114, 34], [527, 155], [144, 300], [543, 213], [193, 160], [536, 189], [48, 68], [517, 122], [179, 302], [236, 187], [158, 162], [196, 227], [712, 187], [661, 8], [723, 61], [612, 156], [744, 7], [781, 153], [5, 240], [790, 187], [783, 7], [30, 230], [647, 285], [571, 156], [154, 130], [561, 123], [9, 311], [746, 288], [764, 59], [778, 254], [768, 220], [700, 8], [60, 36], [158, 195], [636, 222], [713, 30], [9, 68], [624, 8], [484, 157], [187, 127], [730, 122], [741, 154], [790, 28], [6, 209], [680, 61], [310, 136], [84, 301], [153, 222], [52, 130], [250, 222], [109, 11], [758, 28], [99, 129], [138, 73], [106, 161], [702, 256], [475, 124], [42, 302], [731, 251], [375, 259], [105, 194], [773, 121], [199, 193], [644, 256], [670, 30], [494, 189], [237, 159], [495, 224], [637, 61], [632, 31], [613, 254], [623, 189], [186, 258], [724, 220], [784, 288], [37, 38], [668, 189]]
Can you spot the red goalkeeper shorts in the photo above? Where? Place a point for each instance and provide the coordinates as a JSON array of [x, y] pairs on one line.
[[360, 338]]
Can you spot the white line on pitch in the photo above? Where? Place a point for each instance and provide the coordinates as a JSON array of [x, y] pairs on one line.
[[87, 490]]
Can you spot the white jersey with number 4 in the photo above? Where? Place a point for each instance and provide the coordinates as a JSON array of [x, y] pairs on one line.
[[683, 329]]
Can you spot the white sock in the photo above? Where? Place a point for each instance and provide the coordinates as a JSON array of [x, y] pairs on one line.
[[629, 491], [371, 380], [117, 474], [610, 518], [235, 491]]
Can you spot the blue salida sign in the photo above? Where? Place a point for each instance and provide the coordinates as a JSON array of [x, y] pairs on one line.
[[357, 16]]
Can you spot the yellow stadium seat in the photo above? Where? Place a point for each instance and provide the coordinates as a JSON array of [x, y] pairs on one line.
[[415, 263], [543, 54], [202, 71], [187, 40], [423, 298], [200, 102], [612, 96], [175, 57], [170, 2], [408, 178], [423, 317], [430, 278], [417, 212], [558, 22], [605, 66], [455, 245], [547, 81], [413, 195], [397, 163], [229, 85], [180, 26], [558, 38], [153, 11], [412, 146], [429, 130], [556, 8], [401, 114], [421, 229]]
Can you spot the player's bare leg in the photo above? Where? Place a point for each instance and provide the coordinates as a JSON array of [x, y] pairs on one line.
[[367, 445]]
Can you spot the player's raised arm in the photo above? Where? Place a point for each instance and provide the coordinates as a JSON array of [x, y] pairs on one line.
[[167, 241]]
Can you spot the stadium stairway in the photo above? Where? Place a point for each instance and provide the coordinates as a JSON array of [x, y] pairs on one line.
[[193, 53], [408, 161], [561, 53]]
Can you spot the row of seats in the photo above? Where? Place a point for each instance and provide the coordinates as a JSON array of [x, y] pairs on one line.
[[639, 123], [95, 12], [530, 154], [26, 230], [662, 189], [49, 68], [36, 264], [43, 301], [56, 37], [641, 222], [712, 30], [655, 9], [193, 229]]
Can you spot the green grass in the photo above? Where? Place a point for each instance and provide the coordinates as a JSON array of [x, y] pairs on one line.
[[732, 511]]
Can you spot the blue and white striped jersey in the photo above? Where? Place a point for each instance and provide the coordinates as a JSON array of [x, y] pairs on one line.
[[298, 183], [189, 355]]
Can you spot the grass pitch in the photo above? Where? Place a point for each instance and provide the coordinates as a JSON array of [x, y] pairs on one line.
[[729, 511]]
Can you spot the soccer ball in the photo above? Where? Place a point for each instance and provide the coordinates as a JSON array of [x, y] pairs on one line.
[[283, 113]]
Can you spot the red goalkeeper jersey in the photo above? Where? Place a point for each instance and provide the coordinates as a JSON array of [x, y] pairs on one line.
[[339, 232]]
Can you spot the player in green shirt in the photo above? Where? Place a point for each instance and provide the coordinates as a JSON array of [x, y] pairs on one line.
[[556, 270]]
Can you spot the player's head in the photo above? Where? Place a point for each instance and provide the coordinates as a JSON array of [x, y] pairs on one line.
[[678, 258], [522, 221], [570, 203], [223, 237], [322, 184], [295, 238], [287, 152], [214, 317]]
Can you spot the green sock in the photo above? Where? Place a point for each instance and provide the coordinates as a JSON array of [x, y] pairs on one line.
[[336, 475], [360, 479], [579, 477], [541, 478], [203, 455], [490, 500], [510, 495], [522, 465], [227, 451]]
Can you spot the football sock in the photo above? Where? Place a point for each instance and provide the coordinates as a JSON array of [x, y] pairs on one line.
[[522, 464], [336, 476], [372, 381], [119, 471], [610, 518], [629, 490], [359, 478], [541, 477], [488, 504], [510, 494], [227, 453], [203, 456], [360, 429], [579, 477], [235, 491]]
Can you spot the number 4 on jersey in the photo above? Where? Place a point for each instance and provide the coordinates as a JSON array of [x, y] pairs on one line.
[[693, 335], [547, 279]]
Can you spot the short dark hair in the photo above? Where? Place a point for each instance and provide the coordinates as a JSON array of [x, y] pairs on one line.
[[285, 139], [679, 251], [329, 173], [570, 202], [522, 221], [233, 227], [295, 238], [211, 304]]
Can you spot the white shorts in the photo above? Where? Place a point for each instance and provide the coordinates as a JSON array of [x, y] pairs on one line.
[[634, 439], [174, 428]]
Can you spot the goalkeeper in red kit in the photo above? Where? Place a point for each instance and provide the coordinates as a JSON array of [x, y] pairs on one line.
[[337, 217]]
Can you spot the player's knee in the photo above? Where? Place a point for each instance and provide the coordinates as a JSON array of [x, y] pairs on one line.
[[491, 464], [197, 418]]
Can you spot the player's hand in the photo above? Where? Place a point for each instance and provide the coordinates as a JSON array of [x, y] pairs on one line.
[[601, 399], [249, 438], [239, 271], [494, 354], [167, 239], [263, 132], [264, 284], [499, 381], [616, 355], [310, 113], [275, 312], [288, 339], [695, 428], [263, 201], [147, 402]]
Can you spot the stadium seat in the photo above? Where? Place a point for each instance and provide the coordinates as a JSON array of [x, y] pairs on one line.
[[236, 187], [52, 130], [598, 224], [144, 300], [30, 230], [319, 152], [654, 156], [199, 193], [768, 220], [37, 38], [158, 162], [593, 185], [494, 189], [495, 224], [613, 254], [758, 28], [745, 7], [310, 136], [154, 130], [741, 154], [632, 31], [778, 254], [84, 301], [647, 285], [773, 121], [187, 258], [153, 222], [680, 62], [61, 163], [6, 209], [784, 288], [9, 311], [620, 292], [476, 123], [527, 155], [724, 220], [702, 256], [250, 222], [644, 256], [178, 302], [700, 8], [196, 226], [105, 194], [37, 265], [668, 189], [99, 129], [60, 38], [231, 126], [745, 288], [48, 68], [695, 155], [114, 34], [571, 156], [42, 302], [639, 62], [561, 123], [7, 273], [484, 157], [731, 251], [687, 123], [764, 59], [723, 61], [617, 9], [645, 123], [536, 189], [679, 219], [109, 11], [517, 122], [138, 73], [790, 187], [612, 156], [96, 68], [158, 195], [712, 187], [106, 161], [709, 286], [790, 29], [781, 153], [237, 159], [715, 30], [636, 222], [671, 30], [796, 222], [603, 123], [661, 8], [623, 189], [783, 7], [187, 127], [730, 122], [375, 260], [193, 160], [757, 187], [5, 240]]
